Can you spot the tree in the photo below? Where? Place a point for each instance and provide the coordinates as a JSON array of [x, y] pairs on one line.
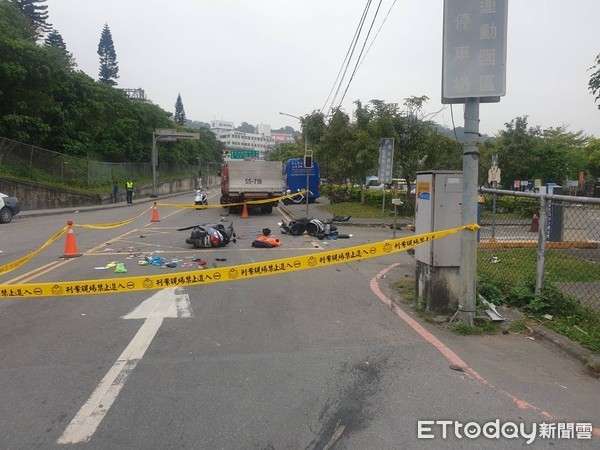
[[594, 83], [36, 14], [179, 117], [55, 41], [335, 151], [109, 69], [593, 157], [313, 127], [245, 127]]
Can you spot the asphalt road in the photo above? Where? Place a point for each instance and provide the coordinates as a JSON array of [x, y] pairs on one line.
[[306, 360]]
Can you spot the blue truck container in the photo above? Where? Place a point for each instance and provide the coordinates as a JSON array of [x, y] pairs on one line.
[[295, 177]]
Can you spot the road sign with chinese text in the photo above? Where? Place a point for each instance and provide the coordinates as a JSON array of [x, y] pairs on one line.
[[386, 160], [474, 56]]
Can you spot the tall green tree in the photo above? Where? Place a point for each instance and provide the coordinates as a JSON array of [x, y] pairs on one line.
[[335, 151], [528, 153], [179, 117], [593, 158], [594, 83], [37, 15], [313, 127], [109, 69], [55, 41]]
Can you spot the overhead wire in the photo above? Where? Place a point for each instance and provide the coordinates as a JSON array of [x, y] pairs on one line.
[[348, 59], [360, 54], [348, 52], [377, 34]]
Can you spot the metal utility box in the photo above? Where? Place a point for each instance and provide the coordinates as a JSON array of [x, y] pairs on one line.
[[438, 207]]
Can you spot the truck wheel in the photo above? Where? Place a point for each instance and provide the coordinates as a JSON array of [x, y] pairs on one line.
[[267, 209]]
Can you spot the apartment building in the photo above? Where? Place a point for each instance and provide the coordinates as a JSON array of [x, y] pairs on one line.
[[261, 140]]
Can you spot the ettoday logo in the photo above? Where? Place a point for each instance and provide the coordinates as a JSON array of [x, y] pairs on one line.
[[431, 429]]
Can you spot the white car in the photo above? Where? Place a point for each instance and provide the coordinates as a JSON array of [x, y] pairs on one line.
[[397, 184], [9, 207]]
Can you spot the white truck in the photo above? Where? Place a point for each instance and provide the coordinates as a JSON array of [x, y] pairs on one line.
[[251, 180]]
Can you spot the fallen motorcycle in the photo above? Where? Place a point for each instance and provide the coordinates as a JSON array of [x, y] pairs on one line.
[[210, 235], [321, 229]]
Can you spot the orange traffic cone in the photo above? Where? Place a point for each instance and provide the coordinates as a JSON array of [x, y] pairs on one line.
[[70, 244], [535, 223], [155, 214], [245, 211]]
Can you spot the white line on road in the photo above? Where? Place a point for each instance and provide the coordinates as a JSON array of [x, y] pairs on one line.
[[165, 303]]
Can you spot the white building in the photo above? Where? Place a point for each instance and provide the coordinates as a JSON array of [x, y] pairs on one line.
[[261, 140]]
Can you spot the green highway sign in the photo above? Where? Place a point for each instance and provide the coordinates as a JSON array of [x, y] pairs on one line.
[[241, 154]]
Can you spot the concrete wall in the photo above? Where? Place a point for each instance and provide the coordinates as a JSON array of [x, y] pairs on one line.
[[33, 196]]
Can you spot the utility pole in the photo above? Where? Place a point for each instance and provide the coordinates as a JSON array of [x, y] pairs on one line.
[[473, 72], [468, 255]]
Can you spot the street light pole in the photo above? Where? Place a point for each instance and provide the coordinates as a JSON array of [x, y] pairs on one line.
[[305, 150]]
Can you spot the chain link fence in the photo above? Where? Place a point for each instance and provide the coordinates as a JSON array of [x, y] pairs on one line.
[[34, 163], [542, 240]]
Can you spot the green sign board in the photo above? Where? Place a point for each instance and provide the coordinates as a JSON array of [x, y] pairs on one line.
[[241, 154]]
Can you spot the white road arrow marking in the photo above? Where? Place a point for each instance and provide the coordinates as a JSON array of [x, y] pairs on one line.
[[172, 302]]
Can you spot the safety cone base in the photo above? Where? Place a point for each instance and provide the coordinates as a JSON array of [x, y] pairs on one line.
[[73, 255]]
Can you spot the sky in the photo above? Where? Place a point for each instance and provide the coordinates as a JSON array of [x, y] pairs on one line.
[[242, 60]]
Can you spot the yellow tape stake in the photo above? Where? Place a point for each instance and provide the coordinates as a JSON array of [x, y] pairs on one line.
[[231, 273]]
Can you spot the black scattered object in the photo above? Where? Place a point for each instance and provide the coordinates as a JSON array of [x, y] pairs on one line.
[[266, 231], [314, 227], [210, 235]]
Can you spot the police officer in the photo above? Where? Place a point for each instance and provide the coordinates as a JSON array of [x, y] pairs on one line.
[[129, 187]]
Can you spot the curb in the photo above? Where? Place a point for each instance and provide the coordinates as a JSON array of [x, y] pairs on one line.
[[77, 210], [571, 348]]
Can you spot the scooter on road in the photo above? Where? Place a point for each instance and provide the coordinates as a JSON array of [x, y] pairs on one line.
[[201, 199]]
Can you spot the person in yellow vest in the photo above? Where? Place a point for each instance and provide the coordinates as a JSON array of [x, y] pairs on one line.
[[129, 187]]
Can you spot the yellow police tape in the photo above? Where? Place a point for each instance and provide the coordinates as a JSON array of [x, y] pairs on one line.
[[102, 226], [19, 262], [249, 202], [230, 273]]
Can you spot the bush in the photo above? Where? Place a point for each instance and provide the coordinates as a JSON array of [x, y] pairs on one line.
[[505, 204]]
